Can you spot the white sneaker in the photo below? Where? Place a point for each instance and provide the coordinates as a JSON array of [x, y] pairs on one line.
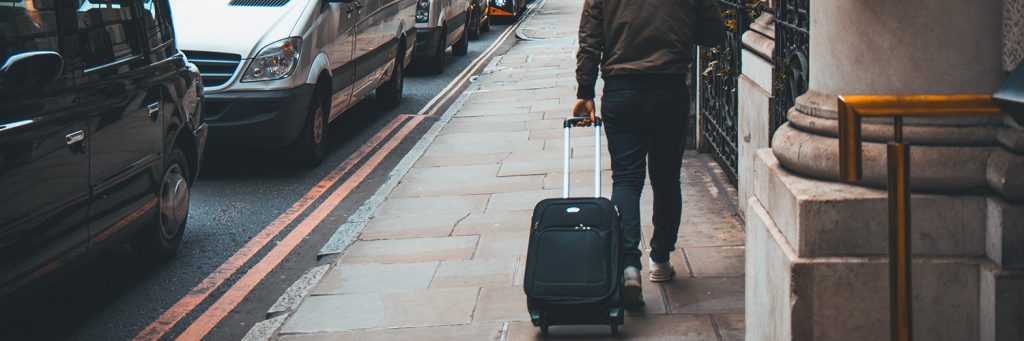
[[661, 272], [632, 294]]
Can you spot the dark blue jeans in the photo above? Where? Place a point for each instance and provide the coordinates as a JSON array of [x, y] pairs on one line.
[[646, 131]]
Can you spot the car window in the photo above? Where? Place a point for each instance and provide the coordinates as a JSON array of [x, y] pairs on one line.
[[157, 22], [27, 25], [107, 32]]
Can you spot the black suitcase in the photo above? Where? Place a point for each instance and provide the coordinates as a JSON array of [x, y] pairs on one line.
[[573, 264]]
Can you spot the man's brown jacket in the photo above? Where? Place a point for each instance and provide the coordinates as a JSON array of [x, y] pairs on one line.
[[630, 38]]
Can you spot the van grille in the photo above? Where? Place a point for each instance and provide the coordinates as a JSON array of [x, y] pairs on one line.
[[216, 68], [258, 3]]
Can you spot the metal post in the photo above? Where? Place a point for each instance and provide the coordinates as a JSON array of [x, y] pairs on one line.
[[900, 260]]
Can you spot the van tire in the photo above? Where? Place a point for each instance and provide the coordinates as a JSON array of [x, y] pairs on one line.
[[309, 149], [389, 94], [159, 240], [461, 47], [436, 63]]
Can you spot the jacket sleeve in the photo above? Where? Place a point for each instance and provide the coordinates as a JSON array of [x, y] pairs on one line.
[[588, 58], [710, 28]]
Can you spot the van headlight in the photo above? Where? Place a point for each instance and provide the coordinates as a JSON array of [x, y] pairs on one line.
[[275, 61], [423, 11]]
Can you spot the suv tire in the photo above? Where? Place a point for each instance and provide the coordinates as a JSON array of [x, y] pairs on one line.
[[461, 47], [309, 148], [389, 94], [160, 240]]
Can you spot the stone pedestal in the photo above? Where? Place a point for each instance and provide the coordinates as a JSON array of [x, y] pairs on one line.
[[755, 96], [816, 250]]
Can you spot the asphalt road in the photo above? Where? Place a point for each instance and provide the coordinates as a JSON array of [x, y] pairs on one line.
[[240, 192]]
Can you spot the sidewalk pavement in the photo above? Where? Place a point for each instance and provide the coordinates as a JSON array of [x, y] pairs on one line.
[[443, 256]]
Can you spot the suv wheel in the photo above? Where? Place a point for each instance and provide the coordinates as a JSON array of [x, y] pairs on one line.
[[161, 239], [461, 47], [390, 93], [309, 148], [477, 25], [436, 63]]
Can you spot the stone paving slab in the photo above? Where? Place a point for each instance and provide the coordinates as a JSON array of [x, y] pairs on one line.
[[410, 226], [410, 250], [731, 326], [507, 303], [718, 295], [489, 222], [456, 204], [376, 278], [480, 272], [467, 332], [716, 261], [650, 327], [334, 313]]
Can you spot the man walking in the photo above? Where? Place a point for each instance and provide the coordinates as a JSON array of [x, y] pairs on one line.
[[644, 48]]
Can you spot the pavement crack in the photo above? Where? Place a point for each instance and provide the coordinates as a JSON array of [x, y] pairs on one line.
[[456, 224]]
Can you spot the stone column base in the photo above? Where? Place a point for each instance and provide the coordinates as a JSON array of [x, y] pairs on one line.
[[798, 290]]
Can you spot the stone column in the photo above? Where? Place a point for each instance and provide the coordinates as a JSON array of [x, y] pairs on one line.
[[816, 248]]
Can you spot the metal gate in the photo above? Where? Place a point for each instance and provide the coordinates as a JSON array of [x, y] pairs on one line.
[[792, 38], [720, 71]]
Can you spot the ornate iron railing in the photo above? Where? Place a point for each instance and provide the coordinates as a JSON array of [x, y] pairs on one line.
[[720, 71], [791, 57]]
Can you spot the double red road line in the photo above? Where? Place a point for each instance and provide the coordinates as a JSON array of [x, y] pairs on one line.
[[216, 312], [372, 153]]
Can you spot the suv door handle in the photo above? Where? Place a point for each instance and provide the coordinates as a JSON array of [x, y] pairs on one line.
[[153, 110], [75, 137]]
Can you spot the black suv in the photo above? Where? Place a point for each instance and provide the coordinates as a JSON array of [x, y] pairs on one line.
[[101, 133]]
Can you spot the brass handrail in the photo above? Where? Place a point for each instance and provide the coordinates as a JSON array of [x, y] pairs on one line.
[[851, 110]]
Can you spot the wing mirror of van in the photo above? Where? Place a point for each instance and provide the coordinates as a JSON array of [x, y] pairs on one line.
[[30, 70]]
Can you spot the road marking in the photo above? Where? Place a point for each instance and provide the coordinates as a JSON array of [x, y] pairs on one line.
[[200, 292], [445, 94], [201, 326]]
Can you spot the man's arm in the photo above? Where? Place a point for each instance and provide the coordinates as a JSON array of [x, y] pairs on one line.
[[588, 58]]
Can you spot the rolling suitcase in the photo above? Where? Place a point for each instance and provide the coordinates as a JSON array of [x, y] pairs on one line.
[[573, 264]]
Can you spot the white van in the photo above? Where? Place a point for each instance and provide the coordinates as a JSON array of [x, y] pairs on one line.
[[276, 72], [440, 24]]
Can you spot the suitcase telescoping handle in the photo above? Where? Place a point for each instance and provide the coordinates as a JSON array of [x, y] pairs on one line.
[[568, 124]]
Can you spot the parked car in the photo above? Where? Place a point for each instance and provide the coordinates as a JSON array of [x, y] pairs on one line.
[[507, 9], [440, 24], [479, 17], [278, 71], [100, 134]]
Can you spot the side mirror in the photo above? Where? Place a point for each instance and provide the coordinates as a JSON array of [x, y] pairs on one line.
[[1010, 96], [30, 70]]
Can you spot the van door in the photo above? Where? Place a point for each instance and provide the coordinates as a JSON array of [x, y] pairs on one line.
[[44, 161], [339, 21], [115, 82], [367, 37]]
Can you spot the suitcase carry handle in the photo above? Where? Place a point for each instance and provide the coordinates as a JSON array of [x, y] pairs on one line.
[[579, 122]]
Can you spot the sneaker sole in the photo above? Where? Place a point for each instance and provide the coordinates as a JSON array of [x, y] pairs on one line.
[[665, 278], [632, 295]]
